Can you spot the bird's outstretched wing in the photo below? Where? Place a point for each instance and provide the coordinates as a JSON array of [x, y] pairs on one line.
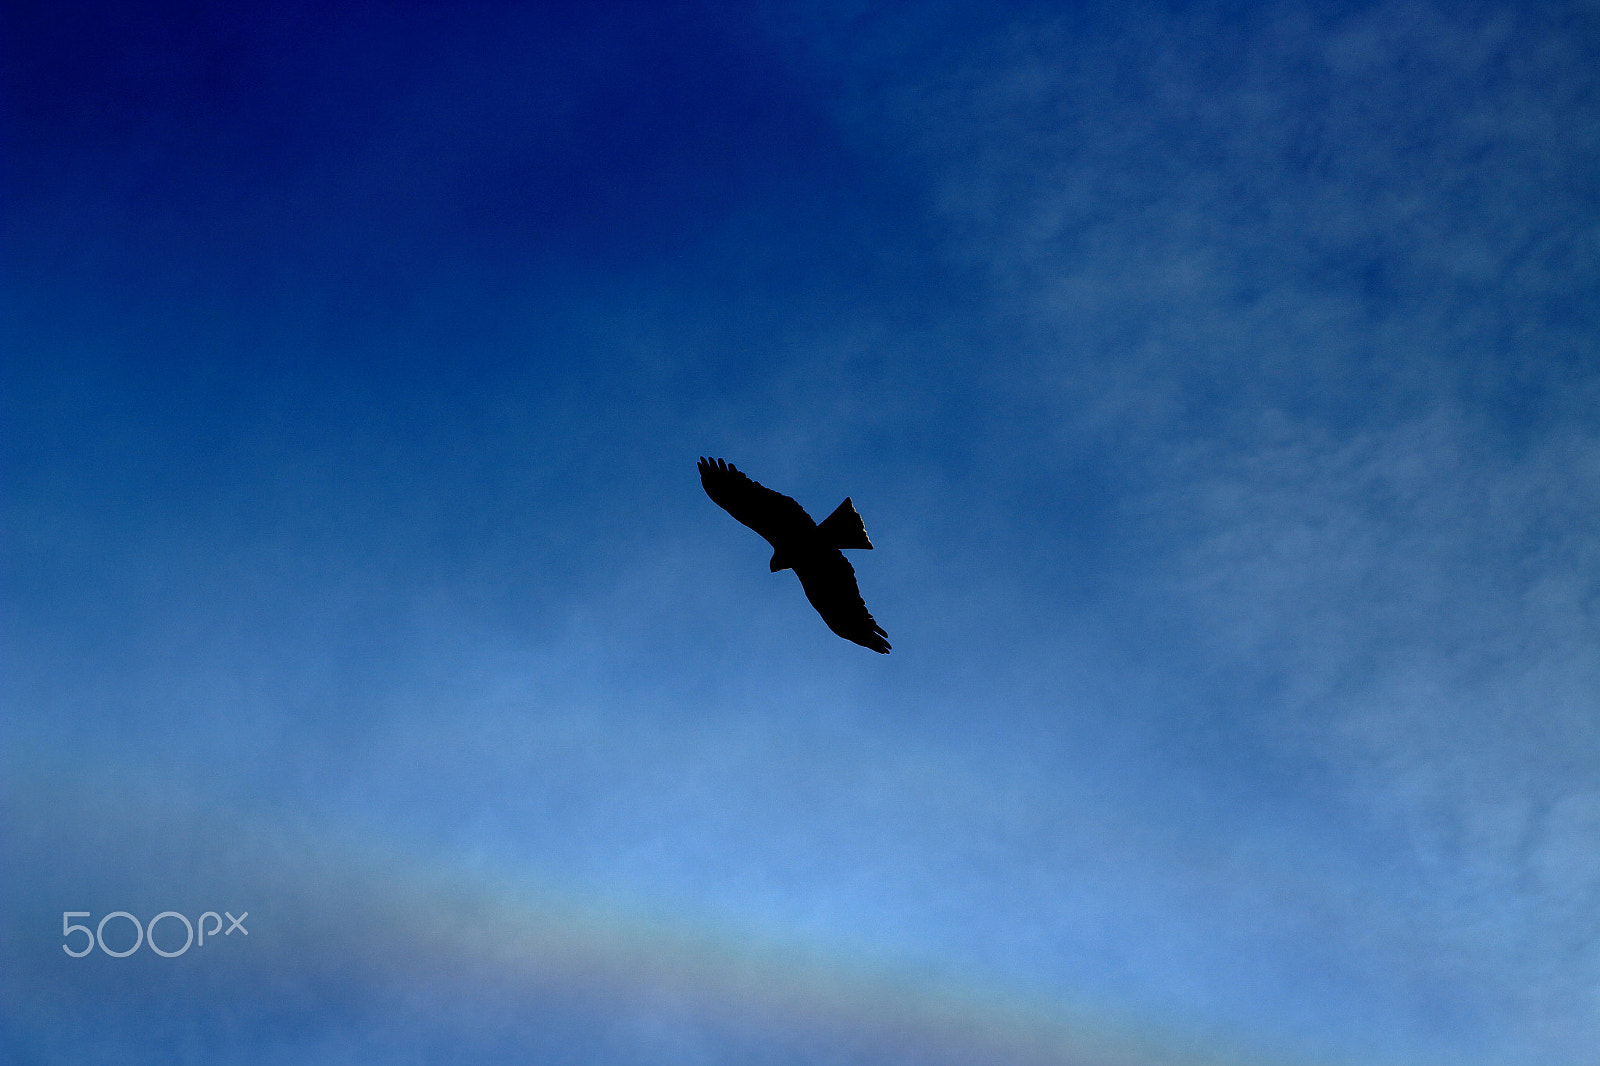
[[772, 514], [830, 584]]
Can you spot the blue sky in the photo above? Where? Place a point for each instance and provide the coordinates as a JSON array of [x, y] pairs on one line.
[[1218, 383]]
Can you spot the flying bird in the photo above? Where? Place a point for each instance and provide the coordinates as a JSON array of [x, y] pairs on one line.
[[808, 548]]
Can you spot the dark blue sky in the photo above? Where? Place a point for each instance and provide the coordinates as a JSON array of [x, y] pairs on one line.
[[1218, 385]]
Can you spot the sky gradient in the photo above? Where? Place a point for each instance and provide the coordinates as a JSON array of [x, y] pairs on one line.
[[1217, 382]]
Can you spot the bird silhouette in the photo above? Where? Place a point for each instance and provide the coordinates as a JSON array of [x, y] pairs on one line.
[[810, 549]]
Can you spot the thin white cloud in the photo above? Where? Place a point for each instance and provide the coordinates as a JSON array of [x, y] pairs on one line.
[[1325, 283]]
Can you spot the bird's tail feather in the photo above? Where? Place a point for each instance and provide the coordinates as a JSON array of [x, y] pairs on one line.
[[844, 528]]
